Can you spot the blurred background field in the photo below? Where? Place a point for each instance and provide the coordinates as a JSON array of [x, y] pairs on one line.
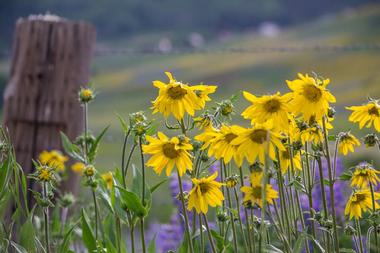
[[253, 53]]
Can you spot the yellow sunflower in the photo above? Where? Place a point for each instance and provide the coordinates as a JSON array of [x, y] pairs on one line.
[[253, 193], [285, 162], [359, 202], [53, 158], [253, 142], [347, 141], [168, 153], [174, 98], [202, 92], [271, 107], [367, 114], [205, 192], [219, 143], [311, 98], [108, 178], [363, 175], [78, 168], [311, 134]]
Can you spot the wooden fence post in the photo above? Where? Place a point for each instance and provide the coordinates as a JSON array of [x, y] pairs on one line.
[[50, 61]]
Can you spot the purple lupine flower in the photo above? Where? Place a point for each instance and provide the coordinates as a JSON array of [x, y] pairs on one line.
[[168, 236]]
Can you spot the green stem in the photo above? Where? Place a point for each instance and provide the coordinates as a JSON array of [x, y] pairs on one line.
[[46, 220], [142, 235], [142, 195], [201, 233], [132, 230], [96, 212], [128, 162], [246, 213], [118, 233], [182, 197], [234, 237], [326, 213], [309, 188], [123, 157], [209, 235], [331, 179], [357, 223], [374, 210], [263, 229], [240, 221]]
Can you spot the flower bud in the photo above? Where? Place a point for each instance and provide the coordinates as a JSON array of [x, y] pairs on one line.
[[222, 215], [86, 95], [67, 200], [137, 117], [370, 140], [226, 107], [331, 112], [140, 128], [196, 145], [231, 181], [89, 170], [204, 158]]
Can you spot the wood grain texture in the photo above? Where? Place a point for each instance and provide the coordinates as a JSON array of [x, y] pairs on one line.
[[50, 61]]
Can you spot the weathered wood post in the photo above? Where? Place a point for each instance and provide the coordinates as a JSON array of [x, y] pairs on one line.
[[50, 61]]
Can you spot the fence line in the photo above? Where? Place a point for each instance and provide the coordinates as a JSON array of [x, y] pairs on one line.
[[104, 51]]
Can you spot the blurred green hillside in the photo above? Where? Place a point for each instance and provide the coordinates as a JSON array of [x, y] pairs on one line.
[[124, 82]]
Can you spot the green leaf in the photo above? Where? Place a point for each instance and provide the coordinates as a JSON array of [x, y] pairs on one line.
[[105, 197], [71, 149], [272, 249], [64, 247], [137, 187], [298, 245], [152, 129], [123, 124], [346, 176], [133, 202], [220, 244], [87, 234], [331, 137], [184, 245], [152, 245], [156, 186], [27, 235], [95, 144], [18, 248], [4, 172]]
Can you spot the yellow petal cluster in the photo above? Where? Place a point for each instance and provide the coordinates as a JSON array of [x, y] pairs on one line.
[[53, 158], [167, 153], [205, 192], [311, 98], [359, 202], [253, 193], [176, 98], [366, 115]]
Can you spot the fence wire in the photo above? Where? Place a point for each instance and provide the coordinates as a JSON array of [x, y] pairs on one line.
[[105, 51]]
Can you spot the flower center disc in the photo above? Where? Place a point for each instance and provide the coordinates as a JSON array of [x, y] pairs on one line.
[[374, 111], [169, 150], [272, 105], [312, 93], [204, 188], [256, 192], [259, 136], [360, 197], [229, 137], [176, 92]]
